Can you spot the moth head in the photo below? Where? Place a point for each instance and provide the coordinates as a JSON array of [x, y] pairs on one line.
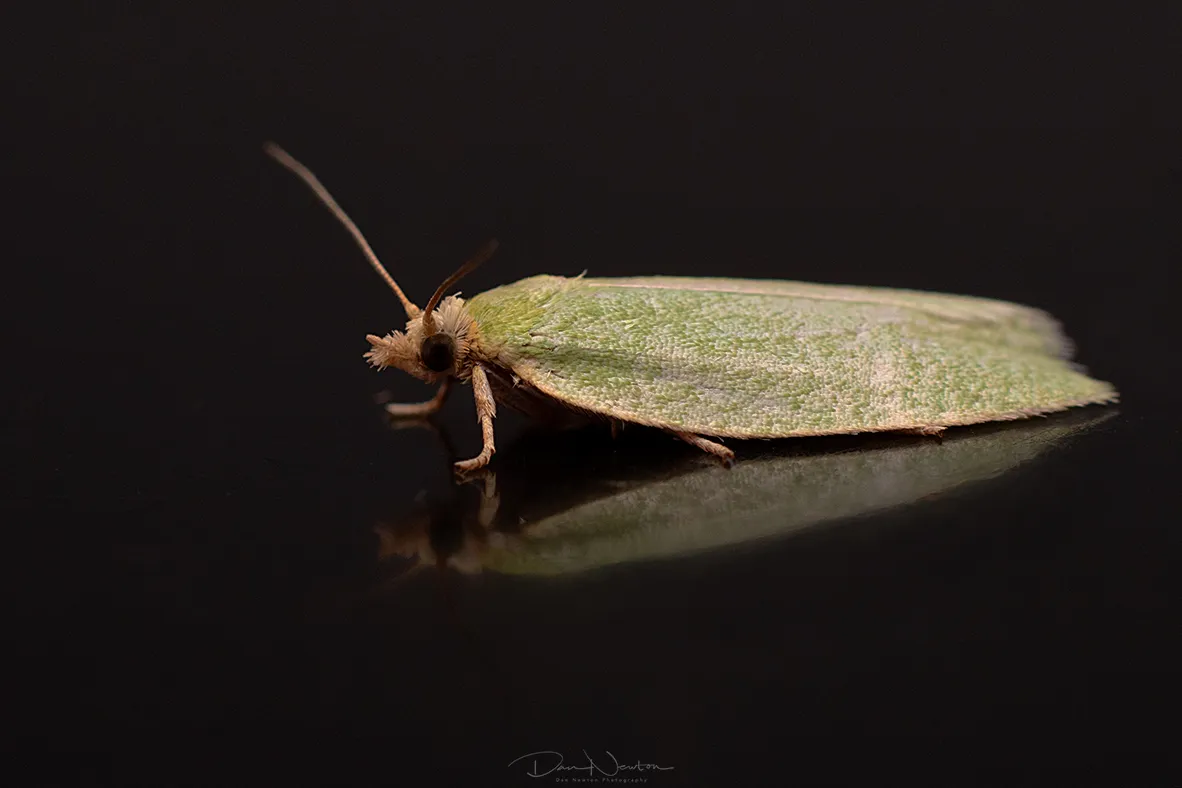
[[434, 345], [438, 337]]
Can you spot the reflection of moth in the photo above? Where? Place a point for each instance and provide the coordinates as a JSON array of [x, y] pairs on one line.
[[447, 536], [551, 511], [728, 358]]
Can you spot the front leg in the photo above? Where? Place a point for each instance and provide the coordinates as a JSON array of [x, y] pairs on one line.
[[486, 410], [410, 410]]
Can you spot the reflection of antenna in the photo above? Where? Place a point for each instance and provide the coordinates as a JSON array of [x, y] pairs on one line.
[[440, 538], [494, 671]]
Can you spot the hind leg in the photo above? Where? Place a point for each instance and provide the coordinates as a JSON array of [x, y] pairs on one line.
[[724, 455]]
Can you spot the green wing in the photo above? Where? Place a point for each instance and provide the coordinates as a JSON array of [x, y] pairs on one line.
[[756, 358]]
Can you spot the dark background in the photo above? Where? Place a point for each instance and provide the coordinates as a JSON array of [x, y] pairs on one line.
[[196, 460]]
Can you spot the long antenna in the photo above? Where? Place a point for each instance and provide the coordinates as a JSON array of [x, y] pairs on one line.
[[303, 173], [473, 263]]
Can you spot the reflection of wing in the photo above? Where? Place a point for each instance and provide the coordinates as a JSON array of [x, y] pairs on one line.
[[770, 496], [753, 358]]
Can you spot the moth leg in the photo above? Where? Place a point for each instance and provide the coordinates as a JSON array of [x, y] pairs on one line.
[[717, 449], [486, 410], [405, 410], [617, 428]]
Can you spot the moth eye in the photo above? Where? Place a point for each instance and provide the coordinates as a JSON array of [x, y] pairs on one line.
[[438, 352]]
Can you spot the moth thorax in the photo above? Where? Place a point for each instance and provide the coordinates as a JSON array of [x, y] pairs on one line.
[[438, 352]]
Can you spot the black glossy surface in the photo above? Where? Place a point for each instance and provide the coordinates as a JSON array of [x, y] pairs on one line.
[[198, 461]]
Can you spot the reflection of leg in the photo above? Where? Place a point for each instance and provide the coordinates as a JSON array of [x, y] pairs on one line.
[[934, 432], [486, 409], [717, 449], [404, 410], [490, 501]]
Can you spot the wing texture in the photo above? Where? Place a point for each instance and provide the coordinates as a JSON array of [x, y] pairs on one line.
[[765, 358]]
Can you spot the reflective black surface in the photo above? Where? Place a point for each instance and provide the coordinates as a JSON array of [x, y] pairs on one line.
[[215, 529]]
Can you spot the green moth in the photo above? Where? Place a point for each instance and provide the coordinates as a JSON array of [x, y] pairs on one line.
[[707, 358]]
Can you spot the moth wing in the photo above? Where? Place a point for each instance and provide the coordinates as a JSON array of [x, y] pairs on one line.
[[753, 358], [1020, 321]]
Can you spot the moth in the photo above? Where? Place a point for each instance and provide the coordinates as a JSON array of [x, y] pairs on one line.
[[711, 358]]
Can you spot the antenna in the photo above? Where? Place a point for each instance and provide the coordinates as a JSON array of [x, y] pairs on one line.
[[473, 263], [303, 173]]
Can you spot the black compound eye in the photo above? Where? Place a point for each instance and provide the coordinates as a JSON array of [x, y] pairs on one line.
[[438, 352]]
